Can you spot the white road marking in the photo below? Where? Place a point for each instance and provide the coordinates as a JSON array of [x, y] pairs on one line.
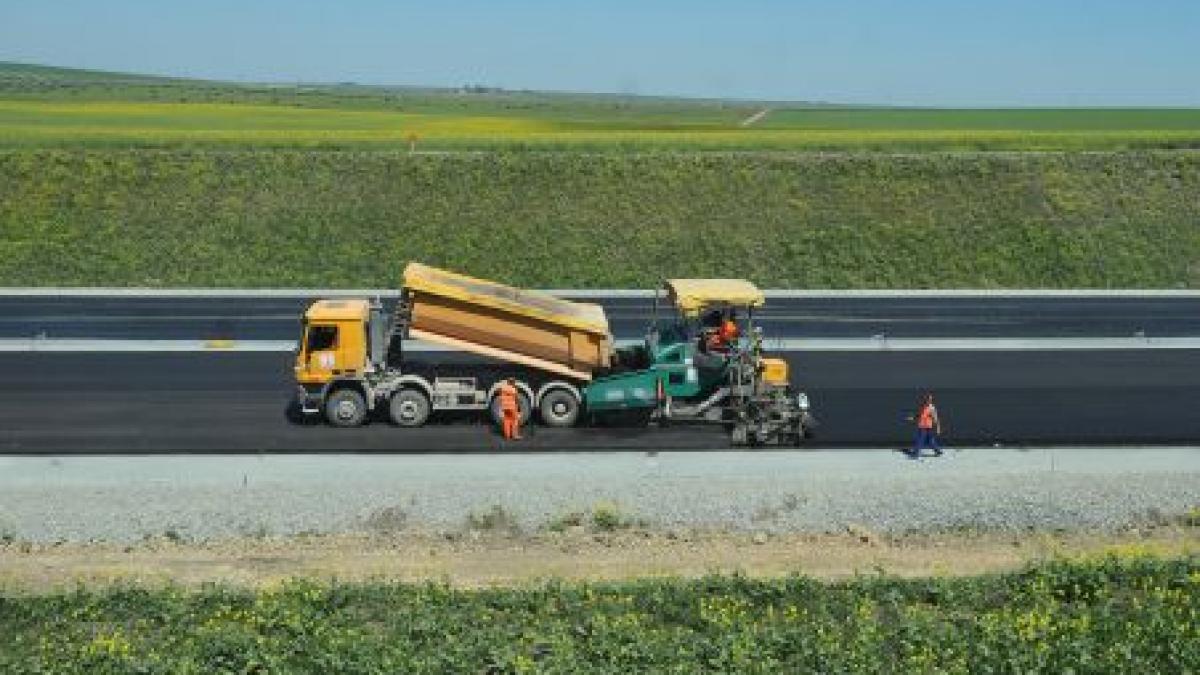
[[881, 344], [11, 345], [598, 293]]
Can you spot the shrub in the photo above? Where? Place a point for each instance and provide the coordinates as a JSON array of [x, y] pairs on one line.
[[494, 519], [1117, 614]]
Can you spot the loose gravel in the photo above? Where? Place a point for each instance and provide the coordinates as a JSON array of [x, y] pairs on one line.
[[130, 498]]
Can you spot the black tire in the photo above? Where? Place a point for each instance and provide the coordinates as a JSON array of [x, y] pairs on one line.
[[294, 412], [522, 404], [409, 408], [559, 408], [739, 436], [345, 408]]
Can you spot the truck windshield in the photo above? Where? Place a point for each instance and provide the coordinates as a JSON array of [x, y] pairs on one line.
[[321, 338]]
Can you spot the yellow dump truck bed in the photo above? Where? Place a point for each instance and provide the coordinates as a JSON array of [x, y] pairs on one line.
[[499, 321]]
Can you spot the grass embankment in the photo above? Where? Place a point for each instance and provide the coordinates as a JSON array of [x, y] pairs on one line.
[[351, 219], [1113, 615]]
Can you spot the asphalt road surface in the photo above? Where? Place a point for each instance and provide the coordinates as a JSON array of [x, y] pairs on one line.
[[854, 316], [217, 402]]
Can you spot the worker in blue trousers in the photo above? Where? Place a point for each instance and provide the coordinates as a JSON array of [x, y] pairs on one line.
[[929, 428]]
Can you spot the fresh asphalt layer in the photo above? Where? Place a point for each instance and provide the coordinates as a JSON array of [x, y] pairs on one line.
[[236, 402], [787, 315], [1010, 368]]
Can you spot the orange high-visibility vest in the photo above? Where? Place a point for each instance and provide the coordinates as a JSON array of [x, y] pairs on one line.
[[508, 398], [729, 331], [925, 420]]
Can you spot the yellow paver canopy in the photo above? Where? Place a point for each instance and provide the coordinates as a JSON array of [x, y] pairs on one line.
[[692, 296], [577, 315]]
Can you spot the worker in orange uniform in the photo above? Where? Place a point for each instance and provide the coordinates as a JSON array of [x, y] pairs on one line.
[[929, 427], [725, 335], [510, 410], [729, 329]]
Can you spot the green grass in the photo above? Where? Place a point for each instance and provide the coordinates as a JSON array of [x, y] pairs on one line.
[[117, 179], [352, 219], [50, 107], [1113, 615]]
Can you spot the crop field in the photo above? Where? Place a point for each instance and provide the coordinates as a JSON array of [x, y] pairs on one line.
[[351, 219], [1111, 615], [42, 107]]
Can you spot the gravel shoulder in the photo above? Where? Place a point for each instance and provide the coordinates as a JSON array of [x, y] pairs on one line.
[[476, 520], [127, 499]]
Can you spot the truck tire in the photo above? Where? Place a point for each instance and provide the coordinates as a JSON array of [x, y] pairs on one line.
[[345, 408], [522, 404], [559, 408], [409, 408], [739, 436]]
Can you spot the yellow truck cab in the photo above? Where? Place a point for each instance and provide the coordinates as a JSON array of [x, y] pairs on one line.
[[333, 354]]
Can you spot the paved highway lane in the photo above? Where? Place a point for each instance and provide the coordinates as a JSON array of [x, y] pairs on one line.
[[819, 316], [154, 402]]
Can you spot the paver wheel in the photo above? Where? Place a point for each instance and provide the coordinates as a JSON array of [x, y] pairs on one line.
[[559, 408], [345, 408], [409, 408]]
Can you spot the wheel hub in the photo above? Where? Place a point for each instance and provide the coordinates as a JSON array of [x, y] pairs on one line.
[[346, 410], [408, 410]]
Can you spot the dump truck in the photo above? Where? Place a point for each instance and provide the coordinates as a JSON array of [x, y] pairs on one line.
[[452, 339]]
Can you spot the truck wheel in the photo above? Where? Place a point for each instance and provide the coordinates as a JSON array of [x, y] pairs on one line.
[[294, 412], [559, 408], [522, 405], [345, 408], [409, 408], [740, 435]]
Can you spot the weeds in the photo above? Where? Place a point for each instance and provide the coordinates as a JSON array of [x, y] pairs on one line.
[[387, 520], [607, 517], [494, 519], [567, 521], [1116, 614], [603, 517], [1191, 518]]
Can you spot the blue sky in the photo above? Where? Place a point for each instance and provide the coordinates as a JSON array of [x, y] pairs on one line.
[[923, 52]]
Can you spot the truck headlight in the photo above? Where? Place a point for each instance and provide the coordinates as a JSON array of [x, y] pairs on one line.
[[802, 401]]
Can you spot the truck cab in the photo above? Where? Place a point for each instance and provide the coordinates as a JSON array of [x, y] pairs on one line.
[[333, 355]]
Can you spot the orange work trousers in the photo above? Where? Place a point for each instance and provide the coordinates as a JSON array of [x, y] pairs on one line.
[[511, 425]]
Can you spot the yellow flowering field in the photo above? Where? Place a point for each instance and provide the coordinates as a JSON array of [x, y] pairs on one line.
[[59, 123]]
